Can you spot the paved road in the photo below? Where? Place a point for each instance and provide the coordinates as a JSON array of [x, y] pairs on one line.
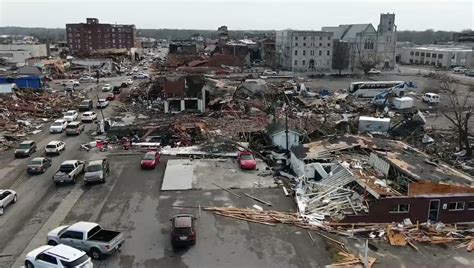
[[35, 191]]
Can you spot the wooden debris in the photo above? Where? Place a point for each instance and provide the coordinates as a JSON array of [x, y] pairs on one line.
[[350, 260], [227, 190], [258, 199]]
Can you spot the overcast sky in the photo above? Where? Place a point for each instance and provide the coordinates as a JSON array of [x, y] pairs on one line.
[[239, 15]]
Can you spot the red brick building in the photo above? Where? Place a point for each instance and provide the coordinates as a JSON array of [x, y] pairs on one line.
[[83, 38]]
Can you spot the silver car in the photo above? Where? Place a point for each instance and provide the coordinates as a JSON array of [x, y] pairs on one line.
[[7, 197]]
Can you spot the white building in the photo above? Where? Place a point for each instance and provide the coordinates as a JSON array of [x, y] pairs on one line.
[[303, 51], [277, 134], [15, 53], [368, 43], [444, 56]]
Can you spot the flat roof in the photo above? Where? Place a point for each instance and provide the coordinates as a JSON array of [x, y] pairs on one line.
[[442, 48]]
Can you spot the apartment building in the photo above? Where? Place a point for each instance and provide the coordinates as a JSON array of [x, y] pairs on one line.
[[83, 38], [304, 51], [442, 56]]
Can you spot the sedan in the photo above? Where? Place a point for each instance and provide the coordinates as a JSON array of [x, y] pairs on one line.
[[86, 79], [102, 103], [110, 97], [247, 160], [107, 87], [374, 71], [71, 82], [38, 165], [150, 160], [88, 116], [7, 197]]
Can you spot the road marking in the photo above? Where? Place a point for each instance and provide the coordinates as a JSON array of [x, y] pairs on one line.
[[54, 221]]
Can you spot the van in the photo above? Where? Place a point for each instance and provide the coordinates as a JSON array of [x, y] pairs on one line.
[[86, 105], [74, 128], [430, 98]]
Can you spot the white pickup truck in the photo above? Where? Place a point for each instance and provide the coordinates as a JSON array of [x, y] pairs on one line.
[[87, 236], [69, 171]]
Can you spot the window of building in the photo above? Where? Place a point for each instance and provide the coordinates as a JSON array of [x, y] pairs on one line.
[[470, 205], [320, 44], [329, 44], [304, 37], [304, 63], [296, 37], [320, 53], [417, 53], [304, 53], [329, 53], [311, 53], [312, 38], [412, 53], [411, 60], [304, 44], [296, 62], [296, 52], [296, 44], [400, 208], [416, 61], [329, 38], [427, 62], [422, 54], [428, 55], [433, 55], [453, 206], [369, 44], [440, 56]]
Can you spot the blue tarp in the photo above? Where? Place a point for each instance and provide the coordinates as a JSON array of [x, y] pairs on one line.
[[23, 82]]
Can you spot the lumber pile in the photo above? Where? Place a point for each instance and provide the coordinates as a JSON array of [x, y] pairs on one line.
[[351, 260], [256, 216]]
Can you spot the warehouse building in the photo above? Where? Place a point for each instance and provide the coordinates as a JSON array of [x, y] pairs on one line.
[[442, 56]]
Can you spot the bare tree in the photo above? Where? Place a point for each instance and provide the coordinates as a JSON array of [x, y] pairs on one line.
[[460, 110], [341, 54], [367, 63]]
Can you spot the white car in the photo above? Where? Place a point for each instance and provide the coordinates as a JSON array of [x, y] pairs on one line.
[[459, 70], [72, 82], [374, 71], [102, 103], [71, 115], [57, 256], [88, 116], [268, 72], [58, 126], [430, 98], [107, 87], [55, 147], [141, 76], [86, 79], [135, 69], [7, 197]]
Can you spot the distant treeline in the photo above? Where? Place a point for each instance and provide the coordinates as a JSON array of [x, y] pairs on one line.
[[58, 34]]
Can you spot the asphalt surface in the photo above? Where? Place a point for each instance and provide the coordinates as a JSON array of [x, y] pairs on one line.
[[37, 190]]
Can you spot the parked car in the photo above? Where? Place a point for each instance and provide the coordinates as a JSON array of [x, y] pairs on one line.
[[459, 70], [69, 171], [72, 82], [102, 103], [25, 148], [430, 98], [55, 147], [87, 236], [110, 96], [86, 79], [118, 90], [57, 256], [268, 72], [74, 128], [469, 72], [374, 71], [38, 165], [107, 87], [58, 126], [96, 171], [71, 115], [247, 160], [86, 105], [7, 197], [183, 230], [141, 76], [88, 116], [150, 160]]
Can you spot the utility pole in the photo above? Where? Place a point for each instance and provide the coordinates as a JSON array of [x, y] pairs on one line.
[[286, 128]]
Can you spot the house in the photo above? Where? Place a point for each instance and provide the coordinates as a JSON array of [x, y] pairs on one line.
[[277, 134], [375, 180], [184, 93]]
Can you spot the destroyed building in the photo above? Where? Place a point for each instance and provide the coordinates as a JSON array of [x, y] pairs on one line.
[[374, 180], [184, 93]]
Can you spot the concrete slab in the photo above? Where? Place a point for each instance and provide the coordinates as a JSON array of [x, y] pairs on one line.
[[184, 174], [178, 175]]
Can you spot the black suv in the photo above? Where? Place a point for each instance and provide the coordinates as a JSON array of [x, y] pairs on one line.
[[25, 148], [183, 230]]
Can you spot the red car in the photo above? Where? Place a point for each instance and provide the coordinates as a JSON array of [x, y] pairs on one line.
[[247, 160], [110, 96], [150, 160]]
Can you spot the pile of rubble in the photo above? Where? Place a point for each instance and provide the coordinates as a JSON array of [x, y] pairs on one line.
[[24, 112]]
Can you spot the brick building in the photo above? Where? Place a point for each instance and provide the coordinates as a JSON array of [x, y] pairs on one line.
[[83, 38]]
